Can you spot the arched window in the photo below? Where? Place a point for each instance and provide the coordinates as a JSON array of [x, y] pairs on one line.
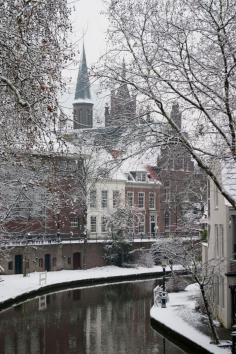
[[167, 220]]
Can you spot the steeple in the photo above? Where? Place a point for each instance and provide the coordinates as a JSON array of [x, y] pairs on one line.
[[82, 90], [176, 115], [83, 105], [123, 74]]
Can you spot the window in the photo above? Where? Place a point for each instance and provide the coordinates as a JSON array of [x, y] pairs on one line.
[[208, 198], [10, 265], [93, 199], [130, 199], [104, 224], [152, 197], [216, 289], [104, 199], [141, 199], [222, 294], [141, 176], [116, 199], [167, 194], [40, 262], [167, 220], [93, 224], [216, 196], [221, 236], [69, 260], [216, 241], [141, 227], [74, 222], [209, 232], [152, 218], [71, 166]]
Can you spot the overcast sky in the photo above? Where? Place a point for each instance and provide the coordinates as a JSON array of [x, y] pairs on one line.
[[87, 18], [90, 24]]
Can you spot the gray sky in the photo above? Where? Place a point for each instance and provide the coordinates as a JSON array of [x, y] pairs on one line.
[[87, 21], [87, 18]]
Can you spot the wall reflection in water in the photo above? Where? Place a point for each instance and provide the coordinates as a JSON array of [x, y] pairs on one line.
[[110, 319]]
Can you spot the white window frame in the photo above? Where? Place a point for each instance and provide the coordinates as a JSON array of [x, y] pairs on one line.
[[222, 291], [141, 176], [221, 235], [128, 195], [93, 198], [115, 198], [141, 205], [216, 197], [104, 199], [103, 224], [141, 224], [74, 222], [152, 206], [216, 240], [167, 193], [93, 224]]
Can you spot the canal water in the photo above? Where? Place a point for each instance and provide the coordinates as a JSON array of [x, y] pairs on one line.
[[108, 319]]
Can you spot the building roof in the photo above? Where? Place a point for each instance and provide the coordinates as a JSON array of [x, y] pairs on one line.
[[120, 167]]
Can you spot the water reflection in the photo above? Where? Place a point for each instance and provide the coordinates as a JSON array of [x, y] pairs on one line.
[[110, 319]]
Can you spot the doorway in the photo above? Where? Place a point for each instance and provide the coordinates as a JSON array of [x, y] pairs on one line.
[[76, 260], [18, 264], [153, 225], [47, 262]]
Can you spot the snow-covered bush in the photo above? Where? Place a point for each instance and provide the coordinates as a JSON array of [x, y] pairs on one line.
[[143, 257], [117, 251], [176, 283]]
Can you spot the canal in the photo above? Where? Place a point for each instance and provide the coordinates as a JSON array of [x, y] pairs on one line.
[[108, 319]]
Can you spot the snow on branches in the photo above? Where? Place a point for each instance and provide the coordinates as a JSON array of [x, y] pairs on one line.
[[32, 54]]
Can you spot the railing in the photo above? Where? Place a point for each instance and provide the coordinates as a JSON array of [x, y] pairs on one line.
[[39, 239]]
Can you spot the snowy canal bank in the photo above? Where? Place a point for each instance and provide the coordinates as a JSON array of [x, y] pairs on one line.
[[14, 288], [180, 320]]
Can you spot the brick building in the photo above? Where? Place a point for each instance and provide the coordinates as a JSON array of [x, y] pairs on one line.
[[183, 191]]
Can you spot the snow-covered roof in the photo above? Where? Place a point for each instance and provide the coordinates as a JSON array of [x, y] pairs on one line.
[[120, 165], [229, 178]]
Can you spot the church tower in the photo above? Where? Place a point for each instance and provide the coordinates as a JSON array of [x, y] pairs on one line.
[[83, 105], [123, 105], [176, 115]]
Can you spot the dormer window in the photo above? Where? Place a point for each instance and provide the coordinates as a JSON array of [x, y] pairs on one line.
[[141, 176]]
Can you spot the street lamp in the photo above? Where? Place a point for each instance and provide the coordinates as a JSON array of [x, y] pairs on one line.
[[164, 263]]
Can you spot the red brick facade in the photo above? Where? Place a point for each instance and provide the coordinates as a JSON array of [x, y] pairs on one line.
[[150, 225]]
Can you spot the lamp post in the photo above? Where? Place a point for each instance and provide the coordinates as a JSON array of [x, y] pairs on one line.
[[164, 293]]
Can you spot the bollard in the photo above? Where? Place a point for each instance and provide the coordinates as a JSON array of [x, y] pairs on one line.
[[163, 299]]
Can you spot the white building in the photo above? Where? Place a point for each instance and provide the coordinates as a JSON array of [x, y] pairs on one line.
[[220, 251], [113, 191]]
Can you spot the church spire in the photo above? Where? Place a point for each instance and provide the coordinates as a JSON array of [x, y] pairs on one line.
[[123, 73], [83, 105], [82, 91]]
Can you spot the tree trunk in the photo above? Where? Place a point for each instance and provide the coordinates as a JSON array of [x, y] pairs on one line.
[[209, 315]]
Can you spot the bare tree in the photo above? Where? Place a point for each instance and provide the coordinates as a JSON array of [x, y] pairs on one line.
[[188, 254], [179, 51], [33, 52]]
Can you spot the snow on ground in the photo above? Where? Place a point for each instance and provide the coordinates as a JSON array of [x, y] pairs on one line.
[[15, 285], [179, 316]]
